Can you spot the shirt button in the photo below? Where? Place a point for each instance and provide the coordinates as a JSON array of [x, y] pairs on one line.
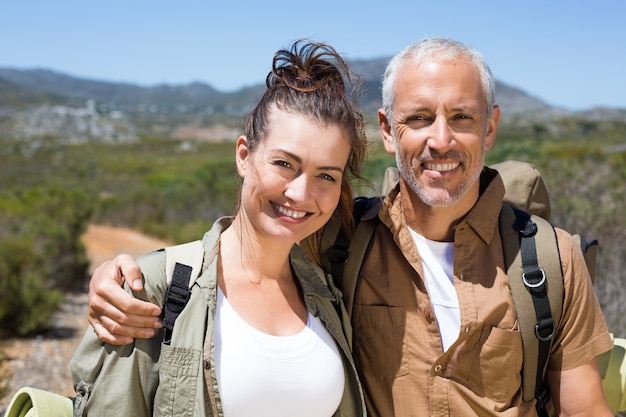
[[438, 369]]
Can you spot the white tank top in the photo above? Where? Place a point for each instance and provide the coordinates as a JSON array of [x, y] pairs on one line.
[[264, 375], [438, 263]]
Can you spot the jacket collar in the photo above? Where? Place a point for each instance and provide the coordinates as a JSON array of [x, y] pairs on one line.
[[311, 277]]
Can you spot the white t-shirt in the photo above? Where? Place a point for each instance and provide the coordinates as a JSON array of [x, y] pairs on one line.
[[264, 375], [438, 263]]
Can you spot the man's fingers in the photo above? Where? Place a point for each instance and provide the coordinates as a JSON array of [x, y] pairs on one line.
[[113, 333], [114, 329], [135, 321], [124, 336], [107, 337], [136, 312], [116, 316], [107, 297], [130, 271]]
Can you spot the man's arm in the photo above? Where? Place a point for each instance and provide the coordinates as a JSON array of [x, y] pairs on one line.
[[578, 391], [117, 317]]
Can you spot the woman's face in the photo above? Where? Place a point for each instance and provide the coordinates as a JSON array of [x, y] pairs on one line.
[[292, 179]]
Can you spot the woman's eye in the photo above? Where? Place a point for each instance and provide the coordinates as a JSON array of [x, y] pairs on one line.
[[327, 177]]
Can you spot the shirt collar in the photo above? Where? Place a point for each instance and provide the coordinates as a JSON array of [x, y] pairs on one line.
[[483, 217]]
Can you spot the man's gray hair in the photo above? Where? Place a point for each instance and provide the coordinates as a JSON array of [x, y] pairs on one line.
[[438, 49]]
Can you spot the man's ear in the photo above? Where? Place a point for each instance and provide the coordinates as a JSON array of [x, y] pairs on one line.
[[241, 155], [492, 127], [385, 132]]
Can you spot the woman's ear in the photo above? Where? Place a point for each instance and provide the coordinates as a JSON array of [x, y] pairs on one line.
[[241, 155]]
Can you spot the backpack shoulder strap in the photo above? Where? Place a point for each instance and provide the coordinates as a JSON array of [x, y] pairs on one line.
[[345, 256], [533, 263], [183, 264], [590, 252]]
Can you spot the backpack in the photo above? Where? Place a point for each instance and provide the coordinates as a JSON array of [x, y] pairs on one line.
[[531, 253], [183, 264], [34, 402]]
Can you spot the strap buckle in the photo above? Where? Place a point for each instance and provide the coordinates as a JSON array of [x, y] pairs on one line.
[[338, 254], [534, 279], [545, 329]]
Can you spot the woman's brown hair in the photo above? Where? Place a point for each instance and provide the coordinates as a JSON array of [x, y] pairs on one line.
[[311, 79]]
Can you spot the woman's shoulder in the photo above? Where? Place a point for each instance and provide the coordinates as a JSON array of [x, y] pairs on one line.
[[155, 282]]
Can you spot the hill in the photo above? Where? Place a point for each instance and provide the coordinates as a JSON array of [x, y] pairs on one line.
[[199, 111]]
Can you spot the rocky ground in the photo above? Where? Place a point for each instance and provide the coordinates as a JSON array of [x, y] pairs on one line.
[[43, 361]]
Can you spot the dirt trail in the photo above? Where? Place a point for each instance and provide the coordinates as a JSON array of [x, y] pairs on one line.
[[104, 242], [43, 361]]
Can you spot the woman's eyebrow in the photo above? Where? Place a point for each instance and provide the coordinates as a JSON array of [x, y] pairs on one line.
[[323, 167]]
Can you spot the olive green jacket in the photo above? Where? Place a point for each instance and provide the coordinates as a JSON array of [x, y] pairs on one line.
[[150, 378]]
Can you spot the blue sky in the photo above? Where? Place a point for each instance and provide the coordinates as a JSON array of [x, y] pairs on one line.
[[570, 54]]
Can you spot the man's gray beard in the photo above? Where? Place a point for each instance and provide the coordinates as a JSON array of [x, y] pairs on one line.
[[426, 195]]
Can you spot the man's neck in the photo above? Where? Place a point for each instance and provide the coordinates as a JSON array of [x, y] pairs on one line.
[[435, 223]]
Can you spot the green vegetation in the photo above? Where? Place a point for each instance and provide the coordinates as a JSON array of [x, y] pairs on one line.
[[40, 253], [174, 190]]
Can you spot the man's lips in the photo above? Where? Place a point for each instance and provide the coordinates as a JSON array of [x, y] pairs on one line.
[[440, 167]]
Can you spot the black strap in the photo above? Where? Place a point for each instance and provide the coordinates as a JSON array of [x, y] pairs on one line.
[[534, 278], [339, 252], [176, 298]]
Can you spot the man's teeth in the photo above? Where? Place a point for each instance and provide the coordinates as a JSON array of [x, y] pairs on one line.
[[441, 167], [291, 213]]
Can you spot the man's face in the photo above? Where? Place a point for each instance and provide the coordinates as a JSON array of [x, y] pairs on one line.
[[440, 130]]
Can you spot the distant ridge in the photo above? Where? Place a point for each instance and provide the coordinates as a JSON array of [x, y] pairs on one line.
[[46, 103], [197, 94]]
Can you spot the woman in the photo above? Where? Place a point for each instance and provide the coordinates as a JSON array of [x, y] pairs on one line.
[[268, 339]]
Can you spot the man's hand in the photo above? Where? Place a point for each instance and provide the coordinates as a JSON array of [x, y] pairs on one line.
[[115, 315]]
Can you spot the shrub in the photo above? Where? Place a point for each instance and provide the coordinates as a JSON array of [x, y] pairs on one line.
[[40, 254]]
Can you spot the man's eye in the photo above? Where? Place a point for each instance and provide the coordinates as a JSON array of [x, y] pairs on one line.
[[416, 121], [282, 163]]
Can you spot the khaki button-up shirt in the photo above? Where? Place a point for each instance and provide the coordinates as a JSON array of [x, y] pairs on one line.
[[397, 346]]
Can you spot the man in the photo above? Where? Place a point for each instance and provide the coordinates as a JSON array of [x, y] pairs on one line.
[[435, 328]]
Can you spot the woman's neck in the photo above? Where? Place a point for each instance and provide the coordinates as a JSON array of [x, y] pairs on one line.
[[257, 256]]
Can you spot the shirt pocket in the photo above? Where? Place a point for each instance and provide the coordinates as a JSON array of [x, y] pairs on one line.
[[179, 370], [379, 345], [497, 363]]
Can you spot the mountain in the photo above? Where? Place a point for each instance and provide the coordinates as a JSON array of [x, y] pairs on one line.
[[196, 96], [192, 110], [118, 94], [513, 101], [12, 94]]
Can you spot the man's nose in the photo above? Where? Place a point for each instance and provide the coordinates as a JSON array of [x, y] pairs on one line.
[[441, 135]]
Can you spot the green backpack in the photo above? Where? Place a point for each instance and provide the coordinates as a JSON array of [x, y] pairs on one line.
[[33, 402], [531, 253]]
